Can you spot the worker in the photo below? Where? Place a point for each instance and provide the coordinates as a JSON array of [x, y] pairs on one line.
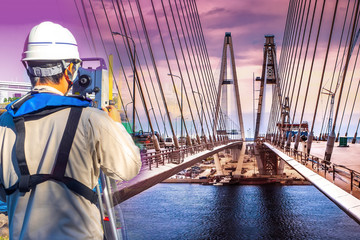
[[52, 146]]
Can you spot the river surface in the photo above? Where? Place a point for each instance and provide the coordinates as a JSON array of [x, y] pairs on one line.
[[191, 211]]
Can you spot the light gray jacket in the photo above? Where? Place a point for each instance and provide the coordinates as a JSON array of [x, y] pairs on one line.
[[51, 210]]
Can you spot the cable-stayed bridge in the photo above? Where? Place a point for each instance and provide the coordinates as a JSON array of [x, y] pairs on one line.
[[169, 96]]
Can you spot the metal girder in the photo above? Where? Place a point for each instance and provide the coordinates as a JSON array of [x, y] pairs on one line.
[[269, 75]]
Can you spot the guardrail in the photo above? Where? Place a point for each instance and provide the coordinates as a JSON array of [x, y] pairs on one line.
[[177, 156], [324, 167]]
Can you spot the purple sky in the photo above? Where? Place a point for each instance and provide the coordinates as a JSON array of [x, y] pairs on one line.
[[247, 20]]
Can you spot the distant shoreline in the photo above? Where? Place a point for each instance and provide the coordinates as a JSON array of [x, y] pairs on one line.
[[245, 181]]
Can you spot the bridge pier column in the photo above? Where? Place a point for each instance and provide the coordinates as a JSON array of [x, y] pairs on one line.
[[309, 142], [283, 137], [258, 158], [329, 146], [156, 143], [280, 168], [288, 142], [189, 144], [354, 139], [240, 160], [233, 153], [297, 139], [269, 161], [219, 171]]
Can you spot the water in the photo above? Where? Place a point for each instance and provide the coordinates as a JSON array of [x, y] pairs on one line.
[[191, 211]]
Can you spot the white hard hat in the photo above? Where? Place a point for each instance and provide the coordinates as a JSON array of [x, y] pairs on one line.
[[50, 41]]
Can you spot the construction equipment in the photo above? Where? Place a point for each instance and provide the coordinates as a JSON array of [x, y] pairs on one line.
[[94, 84]]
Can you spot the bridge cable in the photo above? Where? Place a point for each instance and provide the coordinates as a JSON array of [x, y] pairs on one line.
[[296, 57], [289, 52], [323, 71], [281, 91], [292, 59], [147, 65], [138, 83], [191, 62], [88, 25], [296, 35], [156, 71], [82, 24], [138, 60], [121, 64], [346, 64], [211, 89], [186, 67], [180, 105], [222, 122], [207, 81], [103, 44], [340, 73], [336, 63], [341, 70], [212, 80], [305, 57], [285, 45], [289, 33], [195, 52], [104, 48], [201, 66], [121, 101], [284, 36], [352, 109], [347, 95], [187, 26], [296, 75]]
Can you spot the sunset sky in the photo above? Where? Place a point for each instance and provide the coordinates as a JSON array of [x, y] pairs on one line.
[[247, 20]]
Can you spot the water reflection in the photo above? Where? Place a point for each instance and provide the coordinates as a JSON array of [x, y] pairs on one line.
[[190, 211]]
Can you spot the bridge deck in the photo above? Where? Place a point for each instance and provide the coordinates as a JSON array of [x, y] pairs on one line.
[[148, 178], [346, 201], [347, 156]]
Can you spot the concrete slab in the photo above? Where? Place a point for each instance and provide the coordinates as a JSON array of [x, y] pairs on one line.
[[347, 156]]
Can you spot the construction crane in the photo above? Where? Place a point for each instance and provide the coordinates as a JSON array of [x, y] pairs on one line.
[[332, 94]]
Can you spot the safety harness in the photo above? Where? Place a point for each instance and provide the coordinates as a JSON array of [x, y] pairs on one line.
[[28, 182]]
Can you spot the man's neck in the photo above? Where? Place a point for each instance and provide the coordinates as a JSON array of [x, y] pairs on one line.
[[62, 86], [46, 88]]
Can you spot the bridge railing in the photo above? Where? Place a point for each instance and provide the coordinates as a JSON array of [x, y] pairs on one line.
[[349, 178], [172, 155]]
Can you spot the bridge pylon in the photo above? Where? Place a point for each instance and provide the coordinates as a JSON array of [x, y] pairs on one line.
[[268, 163], [269, 75], [226, 84]]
